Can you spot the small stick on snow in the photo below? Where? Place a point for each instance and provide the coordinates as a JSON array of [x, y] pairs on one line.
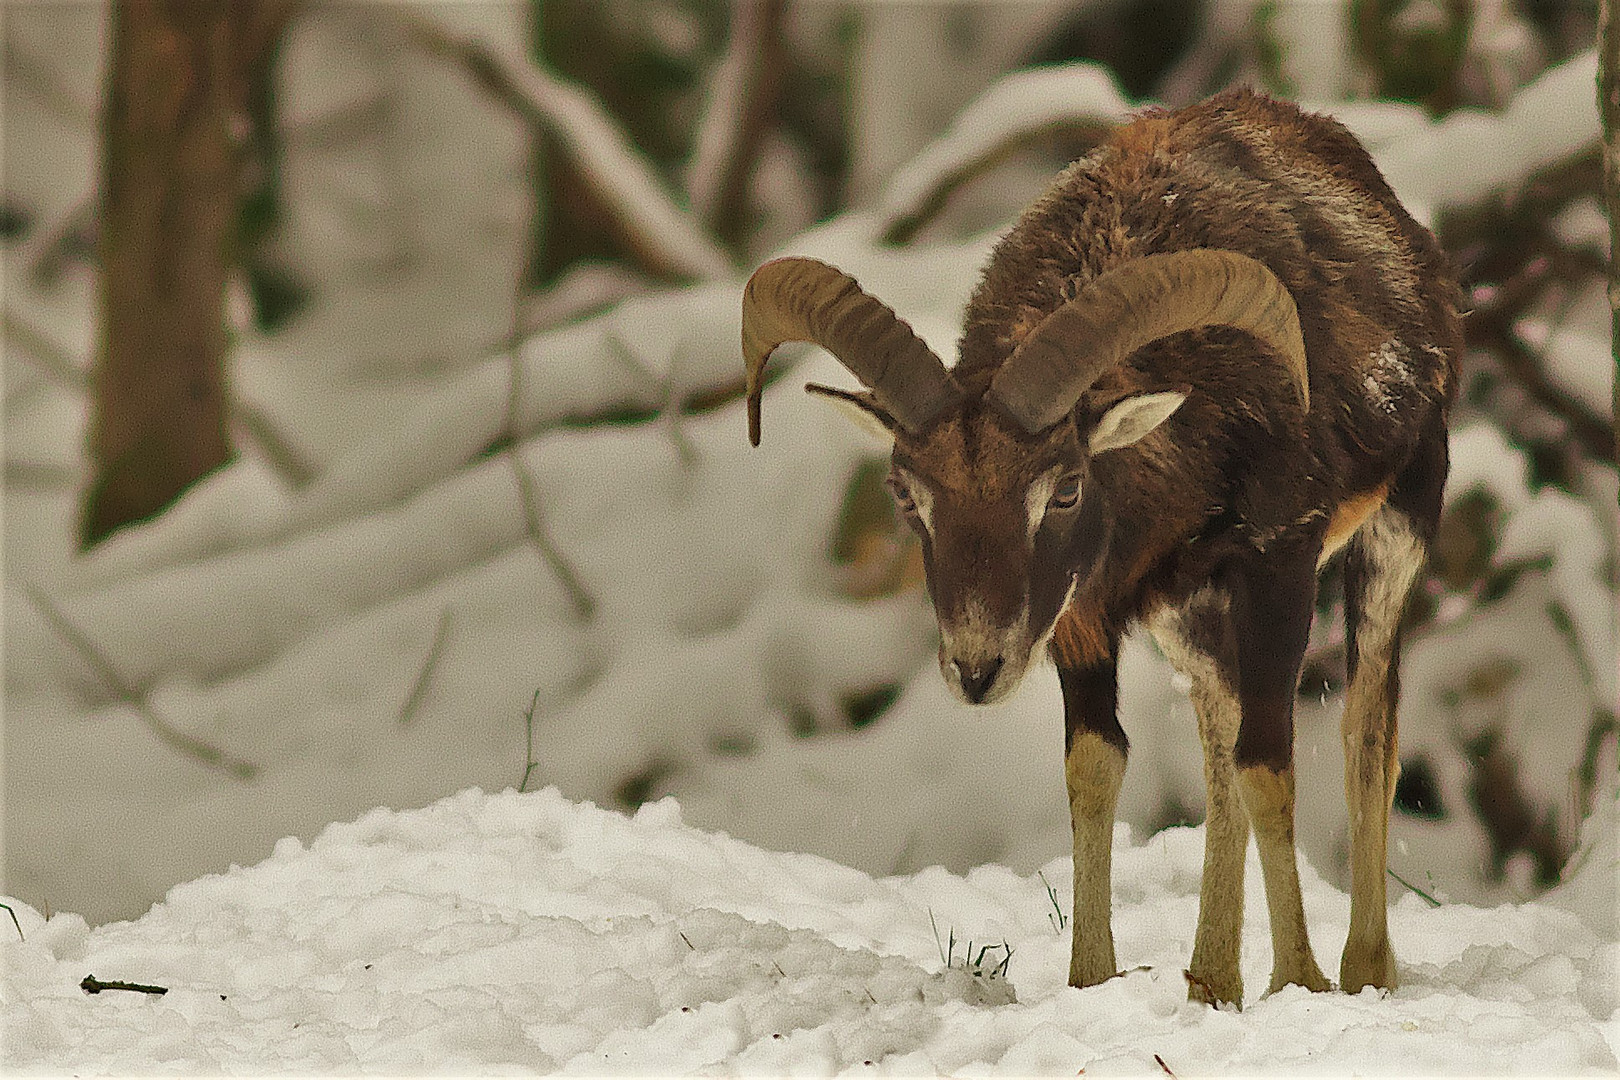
[[1163, 1066], [13, 913], [137, 700], [93, 985]]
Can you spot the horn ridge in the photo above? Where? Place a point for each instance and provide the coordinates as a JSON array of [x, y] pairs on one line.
[[1136, 303], [802, 299]]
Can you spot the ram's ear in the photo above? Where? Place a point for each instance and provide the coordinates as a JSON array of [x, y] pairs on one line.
[[1133, 418], [861, 409]]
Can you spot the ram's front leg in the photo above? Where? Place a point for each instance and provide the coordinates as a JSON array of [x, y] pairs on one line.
[[1094, 766], [1271, 609]]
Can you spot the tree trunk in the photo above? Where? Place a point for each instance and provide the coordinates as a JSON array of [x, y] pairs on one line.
[[173, 125], [1609, 112]]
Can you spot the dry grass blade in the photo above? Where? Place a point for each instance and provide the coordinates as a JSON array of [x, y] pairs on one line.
[[528, 743]]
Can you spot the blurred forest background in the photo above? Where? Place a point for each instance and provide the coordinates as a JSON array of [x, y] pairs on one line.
[[371, 388]]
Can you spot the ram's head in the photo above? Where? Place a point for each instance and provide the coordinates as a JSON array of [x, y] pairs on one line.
[[996, 484]]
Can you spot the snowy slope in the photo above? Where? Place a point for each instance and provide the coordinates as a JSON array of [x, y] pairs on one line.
[[523, 933], [290, 627]]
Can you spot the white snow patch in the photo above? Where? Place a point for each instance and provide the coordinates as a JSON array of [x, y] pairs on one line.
[[1389, 378], [525, 933]]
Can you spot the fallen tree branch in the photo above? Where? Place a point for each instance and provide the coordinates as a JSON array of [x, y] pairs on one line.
[[660, 234], [136, 699]]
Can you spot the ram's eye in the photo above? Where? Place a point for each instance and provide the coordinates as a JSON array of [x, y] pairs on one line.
[[1067, 493]]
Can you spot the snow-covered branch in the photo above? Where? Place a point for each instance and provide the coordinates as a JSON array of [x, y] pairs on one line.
[[663, 236], [1021, 109]]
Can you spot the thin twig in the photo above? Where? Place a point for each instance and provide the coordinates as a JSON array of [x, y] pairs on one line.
[[274, 447], [583, 603], [1060, 920], [51, 356], [528, 742], [1163, 1066], [67, 370], [136, 699], [12, 912], [430, 664]]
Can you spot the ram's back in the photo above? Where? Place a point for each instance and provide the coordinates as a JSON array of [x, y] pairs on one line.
[[1246, 173]]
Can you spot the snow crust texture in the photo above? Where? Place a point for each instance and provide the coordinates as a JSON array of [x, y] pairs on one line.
[[510, 934]]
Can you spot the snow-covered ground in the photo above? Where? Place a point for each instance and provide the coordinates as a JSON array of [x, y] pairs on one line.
[[524, 933], [374, 638]]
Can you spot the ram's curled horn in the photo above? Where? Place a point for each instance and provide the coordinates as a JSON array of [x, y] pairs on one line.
[[799, 299], [1140, 302]]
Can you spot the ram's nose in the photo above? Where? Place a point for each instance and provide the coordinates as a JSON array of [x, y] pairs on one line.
[[976, 679]]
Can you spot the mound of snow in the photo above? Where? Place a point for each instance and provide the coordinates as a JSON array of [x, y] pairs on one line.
[[520, 933]]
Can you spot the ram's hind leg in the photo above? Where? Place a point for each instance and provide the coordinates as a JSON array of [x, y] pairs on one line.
[[1381, 565], [1197, 640]]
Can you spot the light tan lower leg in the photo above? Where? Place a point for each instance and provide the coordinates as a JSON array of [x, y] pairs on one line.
[[1268, 796], [1392, 556], [1215, 973], [1094, 769], [1369, 786]]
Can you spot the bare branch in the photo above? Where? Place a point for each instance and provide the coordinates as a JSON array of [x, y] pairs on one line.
[[1078, 101], [46, 253], [580, 599], [52, 357], [135, 698], [67, 370], [661, 235], [743, 97]]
